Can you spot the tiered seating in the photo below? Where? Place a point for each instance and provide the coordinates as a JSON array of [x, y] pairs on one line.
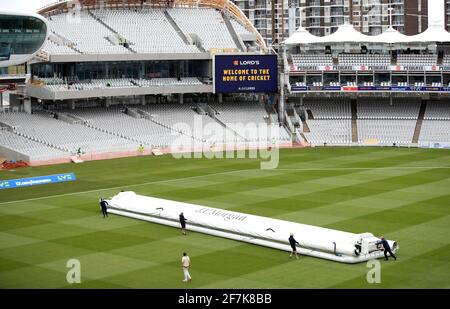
[[446, 60], [370, 60], [52, 81], [148, 30], [435, 131], [414, 61], [323, 131], [91, 40], [57, 84], [386, 131], [380, 108], [436, 123], [69, 137], [181, 117], [114, 120], [207, 23], [331, 123], [245, 117], [168, 82], [304, 61], [239, 28], [437, 110], [55, 49], [387, 124], [337, 108], [34, 150]]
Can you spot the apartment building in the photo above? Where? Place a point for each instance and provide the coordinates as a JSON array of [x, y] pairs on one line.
[[323, 17]]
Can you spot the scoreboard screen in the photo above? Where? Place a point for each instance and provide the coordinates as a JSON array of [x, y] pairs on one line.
[[245, 73]]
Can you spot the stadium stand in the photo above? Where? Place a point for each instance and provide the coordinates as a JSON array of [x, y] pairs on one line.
[[41, 127], [114, 121], [146, 30], [329, 121], [305, 61], [57, 84], [54, 48], [379, 108], [93, 38], [35, 151], [207, 24], [241, 30], [244, 119], [385, 131], [370, 60], [416, 61], [436, 123], [332, 132], [435, 131], [338, 108], [387, 124], [437, 110], [180, 117], [446, 60]]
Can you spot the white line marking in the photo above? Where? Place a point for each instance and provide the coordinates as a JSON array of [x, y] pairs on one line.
[[227, 172], [121, 187]]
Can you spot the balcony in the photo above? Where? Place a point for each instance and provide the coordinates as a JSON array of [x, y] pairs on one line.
[[337, 23], [314, 3], [340, 3]]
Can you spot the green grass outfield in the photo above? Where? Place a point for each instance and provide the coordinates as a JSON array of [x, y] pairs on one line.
[[403, 194]]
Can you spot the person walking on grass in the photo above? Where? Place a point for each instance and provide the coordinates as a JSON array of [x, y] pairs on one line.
[[186, 264], [293, 244]]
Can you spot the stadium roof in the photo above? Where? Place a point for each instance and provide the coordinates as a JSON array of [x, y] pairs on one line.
[[347, 34]]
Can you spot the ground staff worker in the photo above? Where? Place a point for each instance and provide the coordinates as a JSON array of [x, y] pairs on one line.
[[387, 248], [104, 207], [183, 223], [293, 244]]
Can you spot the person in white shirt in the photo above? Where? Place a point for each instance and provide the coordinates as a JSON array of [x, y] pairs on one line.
[[185, 264]]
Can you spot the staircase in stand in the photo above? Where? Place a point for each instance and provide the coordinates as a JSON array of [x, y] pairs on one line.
[[354, 122], [305, 127], [419, 122], [107, 26], [304, 137]]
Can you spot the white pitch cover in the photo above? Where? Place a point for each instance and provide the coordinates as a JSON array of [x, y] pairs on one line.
[[314, 241]]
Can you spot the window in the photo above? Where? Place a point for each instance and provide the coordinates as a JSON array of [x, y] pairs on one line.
[[21, 34]]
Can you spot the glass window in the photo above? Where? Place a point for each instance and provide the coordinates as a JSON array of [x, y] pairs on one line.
[[20, 35]]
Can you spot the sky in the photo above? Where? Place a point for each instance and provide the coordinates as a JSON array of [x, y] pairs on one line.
[[24, 5], [33, 5]]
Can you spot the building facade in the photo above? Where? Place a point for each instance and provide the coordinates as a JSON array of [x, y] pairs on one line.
[[323, 17]]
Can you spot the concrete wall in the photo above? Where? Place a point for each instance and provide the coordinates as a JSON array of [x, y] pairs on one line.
[[45, 94], [10, 154]]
